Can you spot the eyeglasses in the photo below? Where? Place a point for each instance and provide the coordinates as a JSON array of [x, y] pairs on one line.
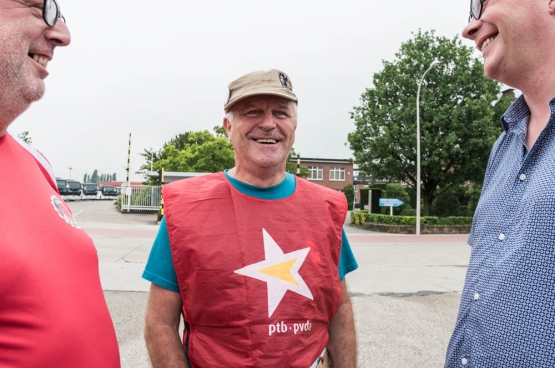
[[51, 12], [476, 9]]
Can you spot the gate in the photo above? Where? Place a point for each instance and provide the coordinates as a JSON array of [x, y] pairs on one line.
[[140, 198]]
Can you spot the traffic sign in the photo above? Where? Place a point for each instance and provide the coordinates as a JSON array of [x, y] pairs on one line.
[[391, 202]]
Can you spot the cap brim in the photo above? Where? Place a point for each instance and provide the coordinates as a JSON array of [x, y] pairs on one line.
[[232, 102]]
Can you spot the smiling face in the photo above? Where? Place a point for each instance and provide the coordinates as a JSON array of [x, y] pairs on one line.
[[510, 35], [262, 131], [27, 45]]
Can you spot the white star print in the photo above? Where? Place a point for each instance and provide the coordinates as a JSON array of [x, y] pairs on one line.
[[280, 272]]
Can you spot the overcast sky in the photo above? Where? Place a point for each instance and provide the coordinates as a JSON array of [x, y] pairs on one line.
[[159, 68]]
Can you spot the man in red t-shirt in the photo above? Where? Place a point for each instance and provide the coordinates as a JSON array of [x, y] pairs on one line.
[[52, 310]]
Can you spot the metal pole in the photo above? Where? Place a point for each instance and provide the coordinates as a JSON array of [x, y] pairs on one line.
[[299, 164], [128, 160], [418, 180]]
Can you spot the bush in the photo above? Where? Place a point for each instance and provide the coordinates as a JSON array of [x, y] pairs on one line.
[[360, 217], [349, 192], [408, 212]]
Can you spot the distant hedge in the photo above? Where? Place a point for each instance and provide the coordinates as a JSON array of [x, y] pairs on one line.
[[360, 217]]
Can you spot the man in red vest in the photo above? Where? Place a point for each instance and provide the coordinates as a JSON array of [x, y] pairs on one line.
[[253, 258], [52, 310]]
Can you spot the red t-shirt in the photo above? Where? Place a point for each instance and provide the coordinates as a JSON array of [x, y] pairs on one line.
[[52, 310]]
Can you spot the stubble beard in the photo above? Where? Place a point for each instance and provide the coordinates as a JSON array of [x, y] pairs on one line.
[[18, 86]]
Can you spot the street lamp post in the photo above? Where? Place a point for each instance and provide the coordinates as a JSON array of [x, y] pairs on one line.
[[70, 168], [432, 65]]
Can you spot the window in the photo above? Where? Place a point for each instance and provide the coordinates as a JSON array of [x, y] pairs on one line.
[[337, 173], [315, 173]]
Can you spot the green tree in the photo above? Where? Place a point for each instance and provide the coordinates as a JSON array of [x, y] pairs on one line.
[[25, 137], [180, 141], [220, 131], [203, 152], [149, 155], [458, 119], [94, 177], [349, 192]]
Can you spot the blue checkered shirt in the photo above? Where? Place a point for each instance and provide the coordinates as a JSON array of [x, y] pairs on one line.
[[507, 311]]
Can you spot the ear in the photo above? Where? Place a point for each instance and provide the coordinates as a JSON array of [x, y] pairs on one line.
[[551, 6], [227, 126]]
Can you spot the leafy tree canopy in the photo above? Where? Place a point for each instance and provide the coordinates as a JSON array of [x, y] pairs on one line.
[[459, 117], [192, 152], [95, 177], [25, 137]]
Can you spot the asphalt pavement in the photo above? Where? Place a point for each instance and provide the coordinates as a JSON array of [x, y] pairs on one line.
[[405, 293]]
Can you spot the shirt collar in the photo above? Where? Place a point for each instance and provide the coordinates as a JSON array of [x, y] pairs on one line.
[[515, 119]]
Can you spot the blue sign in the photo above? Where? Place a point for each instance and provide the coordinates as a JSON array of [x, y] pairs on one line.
[[390, 202]]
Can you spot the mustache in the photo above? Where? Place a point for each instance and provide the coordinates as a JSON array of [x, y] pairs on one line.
[[265, 134]]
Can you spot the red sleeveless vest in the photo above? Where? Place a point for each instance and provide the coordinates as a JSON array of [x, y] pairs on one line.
[[259, 279], [52, 310]]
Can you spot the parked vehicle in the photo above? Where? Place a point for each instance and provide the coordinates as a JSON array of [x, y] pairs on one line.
[[74, 187], [63, 186], [90, 191], [74, 191], [109, 192]]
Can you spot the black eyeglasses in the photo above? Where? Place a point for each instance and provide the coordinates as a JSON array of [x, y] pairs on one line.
[[51, 12], [476, 9]]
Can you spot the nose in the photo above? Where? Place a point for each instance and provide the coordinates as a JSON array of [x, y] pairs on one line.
[[471, 28], [267, 121], [59, 34]]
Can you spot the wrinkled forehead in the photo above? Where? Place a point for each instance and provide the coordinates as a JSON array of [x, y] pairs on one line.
[[264, 101]]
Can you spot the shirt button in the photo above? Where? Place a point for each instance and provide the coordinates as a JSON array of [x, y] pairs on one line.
[[476, 296], [501, 236], [522, 177], [464, 361]]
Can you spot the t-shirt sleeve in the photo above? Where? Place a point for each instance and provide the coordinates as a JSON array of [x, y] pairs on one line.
[[159, 266], [347, 261]]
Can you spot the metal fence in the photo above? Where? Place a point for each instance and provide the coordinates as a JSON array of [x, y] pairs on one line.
[[140, 198]]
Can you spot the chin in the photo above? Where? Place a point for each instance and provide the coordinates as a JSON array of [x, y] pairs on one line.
[[269, 162], [33, 91]]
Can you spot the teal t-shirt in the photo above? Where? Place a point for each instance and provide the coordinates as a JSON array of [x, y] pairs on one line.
[[159, 267]]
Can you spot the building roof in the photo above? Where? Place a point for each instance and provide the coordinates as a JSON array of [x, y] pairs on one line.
[[323, 160]]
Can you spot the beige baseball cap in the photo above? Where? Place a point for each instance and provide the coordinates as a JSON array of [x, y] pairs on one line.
[[271, 82]]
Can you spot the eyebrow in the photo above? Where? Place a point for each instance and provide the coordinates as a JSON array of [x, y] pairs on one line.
[[282, 105]]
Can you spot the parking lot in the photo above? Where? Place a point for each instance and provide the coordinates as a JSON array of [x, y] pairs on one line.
[[405, 293]]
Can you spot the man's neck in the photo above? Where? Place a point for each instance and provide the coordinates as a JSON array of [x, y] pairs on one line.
[[262, 178], [7, 116], [538, 98], [538, 87]]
